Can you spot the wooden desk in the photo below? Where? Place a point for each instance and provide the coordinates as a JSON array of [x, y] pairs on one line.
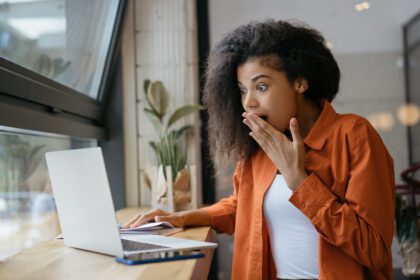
[[53, 260]]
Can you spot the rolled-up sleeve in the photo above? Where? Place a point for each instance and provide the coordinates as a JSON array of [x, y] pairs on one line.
[[362, 225], [223, 213]]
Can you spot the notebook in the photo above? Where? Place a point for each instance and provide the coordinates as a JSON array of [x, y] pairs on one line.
[[157, 228]]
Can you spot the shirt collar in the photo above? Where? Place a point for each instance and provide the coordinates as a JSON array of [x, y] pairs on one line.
[[322, 127]]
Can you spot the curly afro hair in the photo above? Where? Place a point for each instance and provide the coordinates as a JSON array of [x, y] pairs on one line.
[[291, 47]]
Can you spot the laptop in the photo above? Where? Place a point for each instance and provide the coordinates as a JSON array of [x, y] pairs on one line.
[[86, 210]]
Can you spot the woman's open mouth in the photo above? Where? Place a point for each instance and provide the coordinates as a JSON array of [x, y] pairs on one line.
[[264, 117]]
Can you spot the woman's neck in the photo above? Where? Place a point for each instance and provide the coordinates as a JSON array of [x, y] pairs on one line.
[[308, 113]]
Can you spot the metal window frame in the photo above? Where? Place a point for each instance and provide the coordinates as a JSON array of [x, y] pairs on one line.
[[407, 50], [31, 101], [207, 166]]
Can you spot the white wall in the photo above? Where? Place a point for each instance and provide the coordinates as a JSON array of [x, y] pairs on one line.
[[160, 43], [376, 29]]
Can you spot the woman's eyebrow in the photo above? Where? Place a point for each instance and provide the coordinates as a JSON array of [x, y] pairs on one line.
[[254, 79]]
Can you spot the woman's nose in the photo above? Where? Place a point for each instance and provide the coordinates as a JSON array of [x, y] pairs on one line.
[[249, 101]]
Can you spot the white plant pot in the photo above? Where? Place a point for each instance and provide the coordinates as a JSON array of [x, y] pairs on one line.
[[173, 196]]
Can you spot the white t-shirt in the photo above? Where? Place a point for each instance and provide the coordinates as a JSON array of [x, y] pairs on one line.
[[293, 238]]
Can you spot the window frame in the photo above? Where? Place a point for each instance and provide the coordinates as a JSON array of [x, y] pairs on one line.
[[53, 107], [408, 48]]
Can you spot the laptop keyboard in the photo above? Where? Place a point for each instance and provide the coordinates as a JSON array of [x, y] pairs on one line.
[[129, 245]]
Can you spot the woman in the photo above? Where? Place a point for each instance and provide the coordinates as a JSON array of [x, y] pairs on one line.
[[313, 193]]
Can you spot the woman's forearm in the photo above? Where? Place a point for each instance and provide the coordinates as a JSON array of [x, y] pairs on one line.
[[195, 217]]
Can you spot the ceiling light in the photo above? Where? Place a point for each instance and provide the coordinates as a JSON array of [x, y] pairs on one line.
[[383, 121], [362, 6], [409, 114], [329, 45]]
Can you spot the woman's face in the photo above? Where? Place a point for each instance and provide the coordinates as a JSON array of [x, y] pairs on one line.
[[267, 93]]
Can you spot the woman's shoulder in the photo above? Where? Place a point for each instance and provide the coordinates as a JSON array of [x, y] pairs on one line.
[[355, 129], [349, 121]]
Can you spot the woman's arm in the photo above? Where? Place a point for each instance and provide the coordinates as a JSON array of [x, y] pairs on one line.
[[362, 225], [221, 215], [195, 218], [178, 219]]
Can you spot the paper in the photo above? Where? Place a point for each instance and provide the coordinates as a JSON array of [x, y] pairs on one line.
[[158, 228]]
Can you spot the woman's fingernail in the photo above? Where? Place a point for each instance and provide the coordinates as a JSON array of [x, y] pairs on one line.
[[244, 114]]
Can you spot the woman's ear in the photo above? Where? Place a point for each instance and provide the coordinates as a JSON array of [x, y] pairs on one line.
[[301, 85]]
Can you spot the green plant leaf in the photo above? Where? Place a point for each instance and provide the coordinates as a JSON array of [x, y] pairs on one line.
[[169, 152], [182, 112], [179, 132], [146, 84], [153, 145], [158, 97], [155, 120], [153, 113]]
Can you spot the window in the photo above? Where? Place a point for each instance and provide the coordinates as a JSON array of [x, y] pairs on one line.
[[66, 41], [27, 208], [56, 58]]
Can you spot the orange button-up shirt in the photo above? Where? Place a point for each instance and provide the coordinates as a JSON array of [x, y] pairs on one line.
[[348, 196]]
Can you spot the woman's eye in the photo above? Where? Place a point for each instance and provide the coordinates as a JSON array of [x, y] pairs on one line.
[[262, 88], [242, 91]]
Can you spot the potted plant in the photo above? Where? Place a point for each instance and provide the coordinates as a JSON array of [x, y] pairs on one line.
[[168, 149]]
